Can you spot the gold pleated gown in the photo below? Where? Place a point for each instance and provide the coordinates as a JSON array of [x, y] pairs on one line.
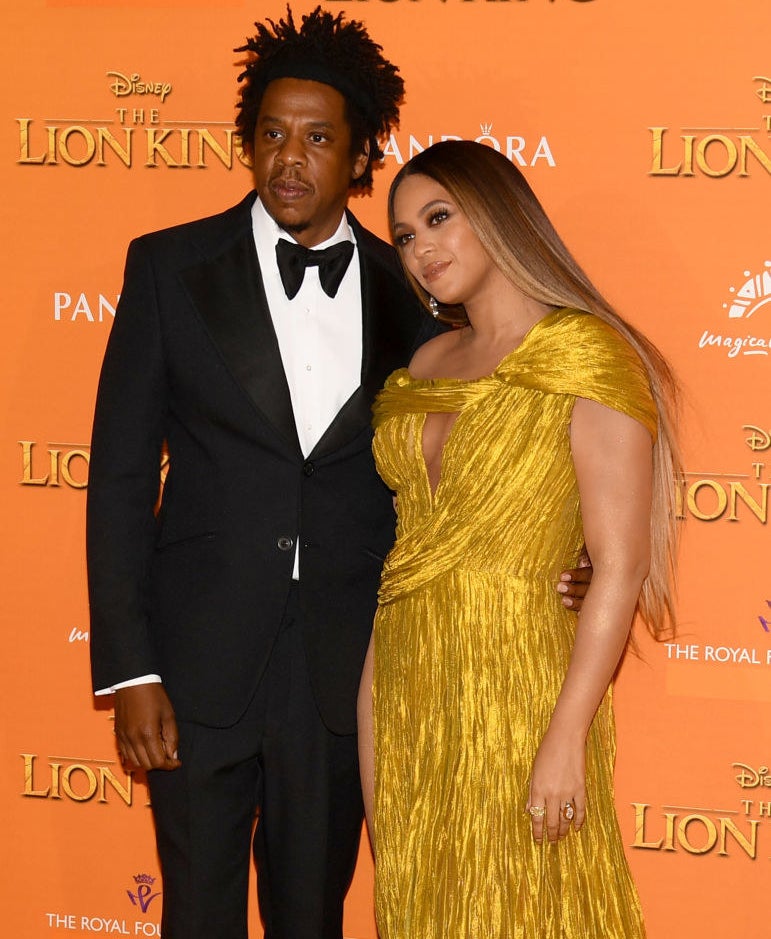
[[472, 644]]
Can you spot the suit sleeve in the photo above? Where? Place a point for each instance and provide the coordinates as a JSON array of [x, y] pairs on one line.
[[124, 479]]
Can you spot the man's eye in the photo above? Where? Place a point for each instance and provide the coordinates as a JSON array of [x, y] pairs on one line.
[[318, 138]]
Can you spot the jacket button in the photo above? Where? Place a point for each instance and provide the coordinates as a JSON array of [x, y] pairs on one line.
[[308, 468], [285, 544]]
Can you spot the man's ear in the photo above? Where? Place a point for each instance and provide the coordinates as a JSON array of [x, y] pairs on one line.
[[361, 161]]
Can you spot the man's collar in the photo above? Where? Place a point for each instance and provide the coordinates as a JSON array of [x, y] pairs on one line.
[[268, 232]]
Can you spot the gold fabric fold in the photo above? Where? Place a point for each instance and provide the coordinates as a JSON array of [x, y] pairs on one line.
[[472, 643]]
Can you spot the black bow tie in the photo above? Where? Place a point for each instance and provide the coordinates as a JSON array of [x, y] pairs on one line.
[[332, 263]]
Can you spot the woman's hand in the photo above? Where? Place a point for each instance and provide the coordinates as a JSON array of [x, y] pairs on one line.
[[558, 782]]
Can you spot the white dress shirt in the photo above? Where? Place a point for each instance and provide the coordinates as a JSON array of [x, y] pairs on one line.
[[320, 341], [319, 337]]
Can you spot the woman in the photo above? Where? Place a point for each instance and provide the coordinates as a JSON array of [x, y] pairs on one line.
[[541, 422]]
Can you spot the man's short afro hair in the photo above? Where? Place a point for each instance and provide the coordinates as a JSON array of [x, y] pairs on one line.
[[337, 52]]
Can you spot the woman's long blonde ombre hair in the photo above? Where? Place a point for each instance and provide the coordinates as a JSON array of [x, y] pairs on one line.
[[515, 231]]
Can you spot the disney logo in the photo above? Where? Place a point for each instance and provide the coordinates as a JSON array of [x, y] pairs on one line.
[[133, 85], [764, 92], [749, 778], [759, 439]]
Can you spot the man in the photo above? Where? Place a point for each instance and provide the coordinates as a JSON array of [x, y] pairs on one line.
[[233, 625]]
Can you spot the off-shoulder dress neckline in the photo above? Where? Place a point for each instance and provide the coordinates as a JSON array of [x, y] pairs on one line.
[[553, 316]]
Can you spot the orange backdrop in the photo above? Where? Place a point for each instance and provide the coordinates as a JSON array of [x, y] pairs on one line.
[[645, 127]]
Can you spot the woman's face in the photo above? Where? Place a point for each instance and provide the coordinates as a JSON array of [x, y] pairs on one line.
[[437, 244]]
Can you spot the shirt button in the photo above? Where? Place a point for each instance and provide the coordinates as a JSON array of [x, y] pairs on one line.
[[285, 544], [309, 469], [307, 368]]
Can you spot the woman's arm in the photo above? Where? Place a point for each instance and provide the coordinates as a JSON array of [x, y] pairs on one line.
[[612, 455], [366, 738]]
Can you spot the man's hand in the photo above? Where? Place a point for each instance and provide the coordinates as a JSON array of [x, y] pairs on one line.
[[574, 583], [146, 727]]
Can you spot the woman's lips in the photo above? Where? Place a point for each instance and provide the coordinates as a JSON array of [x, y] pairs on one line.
[[433, 271]]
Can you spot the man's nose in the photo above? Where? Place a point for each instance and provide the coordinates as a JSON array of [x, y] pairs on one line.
[[291, 152]]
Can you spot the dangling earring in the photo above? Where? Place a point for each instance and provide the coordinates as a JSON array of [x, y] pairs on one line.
[[434, 306]]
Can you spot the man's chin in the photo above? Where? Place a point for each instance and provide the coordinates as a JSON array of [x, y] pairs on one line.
[[293, 228], [287, 217]]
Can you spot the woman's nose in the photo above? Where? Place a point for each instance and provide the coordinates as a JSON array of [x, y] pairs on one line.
[[422, 244]]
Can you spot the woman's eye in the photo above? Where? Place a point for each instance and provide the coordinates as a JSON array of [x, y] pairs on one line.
[[402, 240], [437, 217]]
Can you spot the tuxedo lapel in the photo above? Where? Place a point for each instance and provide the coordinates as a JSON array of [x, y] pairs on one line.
[[228, 293], [388, 336], [356, 413]]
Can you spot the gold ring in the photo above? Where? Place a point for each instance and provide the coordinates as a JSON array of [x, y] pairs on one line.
[[568, 811], [537, 811]]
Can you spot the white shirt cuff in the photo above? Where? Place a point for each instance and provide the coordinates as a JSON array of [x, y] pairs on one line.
[[142, 680]]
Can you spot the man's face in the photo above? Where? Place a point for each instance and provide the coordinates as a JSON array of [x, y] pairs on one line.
[[303, 164]]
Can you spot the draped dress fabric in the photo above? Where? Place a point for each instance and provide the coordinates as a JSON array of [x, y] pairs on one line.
[[472, 644]]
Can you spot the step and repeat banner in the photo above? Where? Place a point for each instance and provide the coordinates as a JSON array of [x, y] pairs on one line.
[[645, 128]]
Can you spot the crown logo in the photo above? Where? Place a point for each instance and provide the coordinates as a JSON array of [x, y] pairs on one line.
[[144, 895], [486, 129]]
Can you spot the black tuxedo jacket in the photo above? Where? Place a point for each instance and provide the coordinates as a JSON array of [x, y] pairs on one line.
[[195, 590]]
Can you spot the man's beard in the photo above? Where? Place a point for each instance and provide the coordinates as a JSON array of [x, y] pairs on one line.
[[297, 229]]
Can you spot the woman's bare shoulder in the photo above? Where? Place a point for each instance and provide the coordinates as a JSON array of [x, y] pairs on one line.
[[426, 362]]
